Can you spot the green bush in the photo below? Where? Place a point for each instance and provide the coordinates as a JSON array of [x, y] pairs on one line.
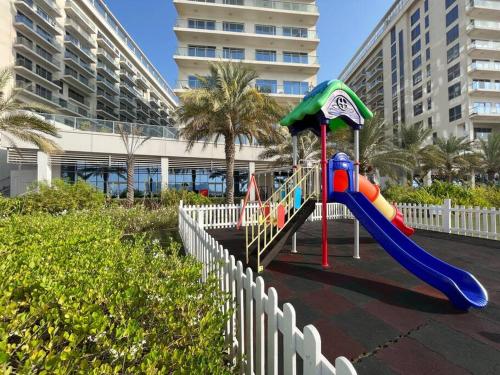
[[483, 196], [172, 197], [76, 298]]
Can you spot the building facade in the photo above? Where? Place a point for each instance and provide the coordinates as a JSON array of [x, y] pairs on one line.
[[436, 63], [278, 39], [75, 57]]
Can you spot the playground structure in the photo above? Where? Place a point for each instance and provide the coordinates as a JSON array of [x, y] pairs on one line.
[[329, 107]]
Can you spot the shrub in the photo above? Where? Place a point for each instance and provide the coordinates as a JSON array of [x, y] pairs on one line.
[[172, 197], [77, 299], [61, 197]]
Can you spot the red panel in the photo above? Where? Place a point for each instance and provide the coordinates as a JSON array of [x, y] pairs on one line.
[[340, 181]]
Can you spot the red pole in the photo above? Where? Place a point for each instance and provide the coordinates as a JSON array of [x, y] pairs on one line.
[[324, 183]]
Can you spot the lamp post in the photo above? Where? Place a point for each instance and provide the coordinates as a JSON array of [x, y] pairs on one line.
[[324, 188]]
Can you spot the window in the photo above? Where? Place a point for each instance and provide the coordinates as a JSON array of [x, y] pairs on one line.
[[297, 32], [455, 113], [393, 35], [426, 5], [201, 24], [234, 27], [429, 104], [415, 17], [415, 48], [429, 122], [264, 55], [417, 93], [233, 53], [43, 92], [23, 61], [194, 82], [453, 53], [448, 3], [295, 57], [429, 87], [426, 21], [417, 77], [417, 62], [295, 87], [452, 16], [418, 109], [428, 71], [201, 51], [427, 54], [42, 72], [427, 37], [454, 91], [452, 35], [76, 96], [265, 29], [482, 133], [45, 54], [415, 32], [267, 86], [454, 72]]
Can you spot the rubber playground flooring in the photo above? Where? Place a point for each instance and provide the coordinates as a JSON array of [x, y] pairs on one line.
[[374, 312]]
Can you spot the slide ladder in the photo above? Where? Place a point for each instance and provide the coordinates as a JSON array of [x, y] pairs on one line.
[[283, 213]]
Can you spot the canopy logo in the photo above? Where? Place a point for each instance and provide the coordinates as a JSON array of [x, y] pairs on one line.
[[341, 105]]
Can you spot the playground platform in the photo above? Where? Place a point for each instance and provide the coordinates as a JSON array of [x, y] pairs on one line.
[[379, 315]]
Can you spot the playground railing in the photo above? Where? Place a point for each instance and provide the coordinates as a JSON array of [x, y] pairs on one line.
[[257, 324]]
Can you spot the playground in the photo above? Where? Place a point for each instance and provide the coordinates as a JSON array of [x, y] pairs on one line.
[[375, 312]]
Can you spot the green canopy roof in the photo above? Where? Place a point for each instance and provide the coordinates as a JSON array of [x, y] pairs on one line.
[[332, 102]]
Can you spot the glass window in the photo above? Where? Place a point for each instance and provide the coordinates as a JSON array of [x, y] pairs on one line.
[[201, 24], [234, 27], [295, 87], [448, 3], [393, 35], [482, 133], [233, 53], [427, 37], [429, 87], [264, 55], [452, 16], [417, 62], [426, 5], [455, 113], [452, 35], [427, 54], [453, 53], [418, 109], [415, 17], [428, 71], [429, 122], [415, 48], [426, 21], [267, 86], [415, 32], [429, 103], [194, 82], [297, 32], [417, 93], [454, 91], [265, 29], [454, 72], [201, 51], [417, 77], [295, 57]]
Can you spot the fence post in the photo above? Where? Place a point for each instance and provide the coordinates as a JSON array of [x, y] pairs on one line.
[[344, 367], [446, 209], [200, 217], [312, 350]]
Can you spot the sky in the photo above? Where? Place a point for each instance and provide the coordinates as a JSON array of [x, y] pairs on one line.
[[343, 25]]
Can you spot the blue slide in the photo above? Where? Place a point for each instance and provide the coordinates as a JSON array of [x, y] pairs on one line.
[[461, 287]]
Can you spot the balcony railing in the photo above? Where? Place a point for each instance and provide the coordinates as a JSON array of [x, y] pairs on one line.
[[41, 13], [486, 86], [31, 87], [80, 62], [479, 65], [29, 23], [29, 44], [83, 80], [488, 109], [107, 69], [108, 84], [273, 89], [485, 44], [480, 24], [271, 4], [70, 106], [282, 58], [291, 32], [488, 4], [86, 20], [86, 50], [76, 26]]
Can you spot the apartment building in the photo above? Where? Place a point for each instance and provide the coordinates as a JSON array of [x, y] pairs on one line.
[[75, 57], [276, 38], [436, 63]]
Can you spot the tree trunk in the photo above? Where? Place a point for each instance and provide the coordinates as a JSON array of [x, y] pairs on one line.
[[230, 150], [130, 180]]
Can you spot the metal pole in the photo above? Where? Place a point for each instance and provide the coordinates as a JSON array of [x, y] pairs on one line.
[[294, 161], [324, 247], [356, 187]]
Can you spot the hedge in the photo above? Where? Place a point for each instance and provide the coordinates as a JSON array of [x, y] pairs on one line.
[[76, 298]]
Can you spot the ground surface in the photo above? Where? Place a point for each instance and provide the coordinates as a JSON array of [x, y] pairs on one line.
[[380, 316]]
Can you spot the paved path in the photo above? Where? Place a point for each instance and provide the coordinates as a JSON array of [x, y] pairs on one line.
[[380, 316]]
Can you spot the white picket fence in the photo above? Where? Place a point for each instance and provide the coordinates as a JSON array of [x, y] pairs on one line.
[[467, 221], [257, 321]]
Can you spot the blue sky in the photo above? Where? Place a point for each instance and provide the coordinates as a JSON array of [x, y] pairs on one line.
[[343, 26]]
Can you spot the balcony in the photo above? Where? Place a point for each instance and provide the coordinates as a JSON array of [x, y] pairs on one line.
[[128, 89], [28, 48], [280, 11], [374, 84], [479, 29], [75, 28], [484, 70], [106, 44], [125, 64], [483, 9], [484, 49], [28, 70], [105, 55], [218, 32], [73, 108], [375, 73], [108, 99], [35, 95], [485, 111], [128, 100], [141, 81], [106, 112], [77, 14], [127, 77], [277, 62], [374, 60], [37, 14], [142, 111], [27, 27], [77, 63], [78, 81], [128, 112], [79, 48], [50, 7], [106, 71], [489, 89], [103, 83]]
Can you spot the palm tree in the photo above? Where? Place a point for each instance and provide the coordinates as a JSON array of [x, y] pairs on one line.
[[227, 107], [18, 123], [490, 155], [413, 140], [377, 151], [455, 155]]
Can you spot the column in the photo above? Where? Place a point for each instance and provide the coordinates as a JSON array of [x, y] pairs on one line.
[[44, 169], [251, 171], [164, 173]]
